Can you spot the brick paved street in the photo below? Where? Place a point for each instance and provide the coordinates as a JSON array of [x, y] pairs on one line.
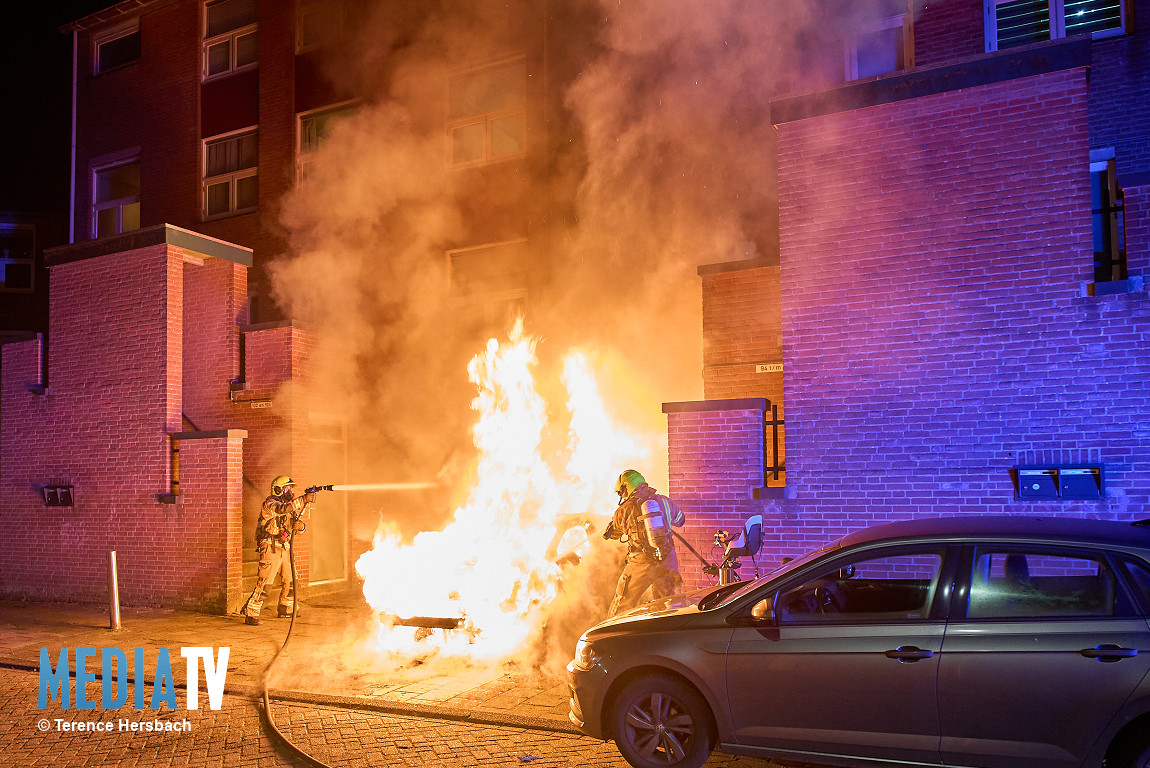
[[233, 736], [334, 705]]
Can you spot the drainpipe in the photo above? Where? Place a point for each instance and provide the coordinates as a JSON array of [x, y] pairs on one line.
[[72, 179], [170, 498]]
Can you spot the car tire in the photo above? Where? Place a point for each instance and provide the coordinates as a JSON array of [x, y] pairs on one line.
[[660, 722], [1134, 752]]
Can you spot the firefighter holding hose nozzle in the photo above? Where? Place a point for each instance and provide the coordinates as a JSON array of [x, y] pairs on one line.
[[643, 520], [280, 517]]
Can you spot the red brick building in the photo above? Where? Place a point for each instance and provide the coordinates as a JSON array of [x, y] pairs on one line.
[[192, 121], [128, 432], [948, 332], [924, 328]]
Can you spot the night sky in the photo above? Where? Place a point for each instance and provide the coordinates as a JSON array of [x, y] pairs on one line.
[[36, 72]]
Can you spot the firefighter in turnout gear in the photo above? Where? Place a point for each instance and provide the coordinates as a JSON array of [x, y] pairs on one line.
[[280, 518], [643, 520]]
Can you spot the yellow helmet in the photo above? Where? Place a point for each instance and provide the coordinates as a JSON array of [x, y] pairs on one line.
[[280, 484], [628, 482]]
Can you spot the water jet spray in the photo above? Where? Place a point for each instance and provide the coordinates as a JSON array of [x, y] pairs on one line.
[[372, 487]]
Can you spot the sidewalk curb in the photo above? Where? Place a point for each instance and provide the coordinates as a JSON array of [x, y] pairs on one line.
[[363, 703], [434, 711]]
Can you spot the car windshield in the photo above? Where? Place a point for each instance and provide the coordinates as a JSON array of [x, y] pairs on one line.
[[726, 595]]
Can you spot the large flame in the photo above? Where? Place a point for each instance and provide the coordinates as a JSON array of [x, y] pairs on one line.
[[497, 564]]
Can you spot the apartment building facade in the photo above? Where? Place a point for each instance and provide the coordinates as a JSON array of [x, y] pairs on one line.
[[961, 318], [192, 121]]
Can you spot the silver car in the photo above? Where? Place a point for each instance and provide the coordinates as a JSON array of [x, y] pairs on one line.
[[1001, 642]]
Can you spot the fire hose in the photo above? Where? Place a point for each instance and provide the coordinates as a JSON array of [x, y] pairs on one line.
[[276, 734]]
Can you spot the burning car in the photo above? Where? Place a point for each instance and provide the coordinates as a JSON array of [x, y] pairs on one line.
[[975, 641]]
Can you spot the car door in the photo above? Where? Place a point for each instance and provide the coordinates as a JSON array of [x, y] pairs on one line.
[[1043, 645], [848, 667]]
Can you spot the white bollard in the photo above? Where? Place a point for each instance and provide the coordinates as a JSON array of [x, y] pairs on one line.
[[113, 591]]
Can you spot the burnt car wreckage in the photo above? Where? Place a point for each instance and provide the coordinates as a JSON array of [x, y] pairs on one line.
[[966, 641]]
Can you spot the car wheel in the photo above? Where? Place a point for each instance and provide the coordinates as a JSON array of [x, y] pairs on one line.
[[1133, 753], [658, 721]]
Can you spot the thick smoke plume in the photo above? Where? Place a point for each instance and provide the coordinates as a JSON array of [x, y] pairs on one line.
[[654, 155]]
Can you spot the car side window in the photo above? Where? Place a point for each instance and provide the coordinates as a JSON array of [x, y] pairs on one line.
[[1140, 577], [892, 588], [1017, 583]]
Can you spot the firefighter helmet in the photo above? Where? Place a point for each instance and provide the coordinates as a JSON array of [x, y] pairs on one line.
[[628, 482], [280, 484]]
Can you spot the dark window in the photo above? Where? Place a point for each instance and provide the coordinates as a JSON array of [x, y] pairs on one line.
[[1021, 22], [1140, 577], [231, 37], [1008, 583], [1108, 212], [116, 199], [1084, 16], [16, 259], [893, 588], [228, 15], [118, 51], [231, 174], [486, 113]]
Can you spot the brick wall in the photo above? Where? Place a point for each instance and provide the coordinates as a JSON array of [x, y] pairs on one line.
[[1120, 97], [214, 304], [152, 105], [273, 407], [742, 328], [211, 465], [931, 301], [140, 337], [935, 331], [113, 395], [1138, 229], [945, 30], [715, 464]]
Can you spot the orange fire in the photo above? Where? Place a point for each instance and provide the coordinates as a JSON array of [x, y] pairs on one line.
[[494, 565]]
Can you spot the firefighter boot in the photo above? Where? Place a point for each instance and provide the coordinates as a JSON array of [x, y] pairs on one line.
[[284, 613]]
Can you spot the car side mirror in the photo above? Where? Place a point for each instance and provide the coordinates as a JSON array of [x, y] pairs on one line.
[[763, 611]]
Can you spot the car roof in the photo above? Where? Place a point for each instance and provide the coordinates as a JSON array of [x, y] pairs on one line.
[[1006, 526]]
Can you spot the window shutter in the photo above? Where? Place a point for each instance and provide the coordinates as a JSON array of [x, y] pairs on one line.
[[1022, 22]]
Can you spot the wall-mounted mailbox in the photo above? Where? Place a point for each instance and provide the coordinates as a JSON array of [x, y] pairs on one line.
[[1060, 482], [1038, 483], [1080, 482], [56, 495]]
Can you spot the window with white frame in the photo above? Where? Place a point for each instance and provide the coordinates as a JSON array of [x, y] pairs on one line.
[[488, 269], [116, 47], [313, 130], [490, 281], [231, 174], [879, 47], [318, 23], [487, 113], [1010, 23], [1108, 213], [878, 38], [17, 258], [115, 196], [230, 36]]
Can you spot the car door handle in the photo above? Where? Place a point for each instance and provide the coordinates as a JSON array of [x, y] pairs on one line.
[[908, 653], [1109, 652]]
